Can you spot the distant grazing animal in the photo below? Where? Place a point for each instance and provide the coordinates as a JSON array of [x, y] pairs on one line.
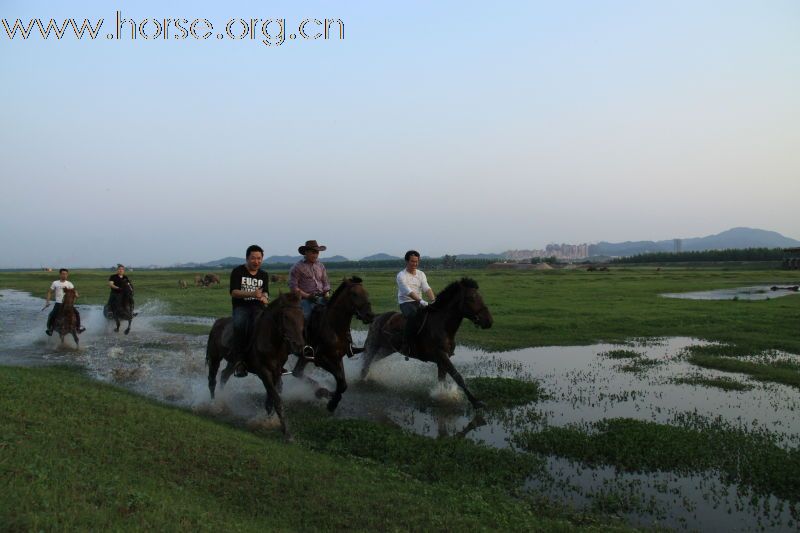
[[65, 322], [435, 326], [198, 280], [121, 307], [182, 284], [328, 333], [210, 279], [277, 332], [277, 278]]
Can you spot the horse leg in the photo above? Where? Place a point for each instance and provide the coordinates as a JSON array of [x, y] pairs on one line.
[[75, 336], [445, 363], [341, 386], [212, 360], [227, 372], [273, 400], [298, 369], [128, 330], [117, 321]]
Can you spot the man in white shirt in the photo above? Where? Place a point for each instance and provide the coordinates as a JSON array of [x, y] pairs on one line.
[[57, 288], [411, 285]]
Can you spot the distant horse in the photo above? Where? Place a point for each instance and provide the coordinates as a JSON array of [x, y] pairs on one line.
[[435, 327], [328, 333], [277, 332], [198, 280], [120, 307], [66, 321], [182, 284]]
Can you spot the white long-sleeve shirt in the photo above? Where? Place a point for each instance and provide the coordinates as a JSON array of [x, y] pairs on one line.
[[408, 283]]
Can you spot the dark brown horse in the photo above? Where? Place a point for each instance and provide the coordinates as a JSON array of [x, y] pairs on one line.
[[121, 307], [328, 333], [66, 321], [277, 332], [435, 329]]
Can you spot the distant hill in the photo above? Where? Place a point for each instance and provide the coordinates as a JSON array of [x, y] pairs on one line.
[[225, 261], [381, 257], [734, 238]]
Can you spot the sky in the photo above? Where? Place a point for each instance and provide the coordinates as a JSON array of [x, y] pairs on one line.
[[447, 127]]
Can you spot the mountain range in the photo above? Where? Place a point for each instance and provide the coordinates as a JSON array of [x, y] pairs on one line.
[[732, 238]]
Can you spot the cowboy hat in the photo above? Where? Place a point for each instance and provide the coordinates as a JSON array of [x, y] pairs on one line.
[[311, 245]]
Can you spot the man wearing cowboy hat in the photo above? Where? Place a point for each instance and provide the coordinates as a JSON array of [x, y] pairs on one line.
[[309, 279]]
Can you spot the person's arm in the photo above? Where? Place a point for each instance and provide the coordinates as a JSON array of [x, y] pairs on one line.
[[326, 286], [430, 295], [112, 286], [49, 296]]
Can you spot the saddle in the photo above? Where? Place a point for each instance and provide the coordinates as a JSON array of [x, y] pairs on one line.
[[401, 331]]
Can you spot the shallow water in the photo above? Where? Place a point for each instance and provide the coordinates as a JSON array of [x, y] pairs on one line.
[[582, 387], [760, 292]]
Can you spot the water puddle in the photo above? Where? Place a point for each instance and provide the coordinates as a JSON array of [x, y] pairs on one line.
[[582, 386], [760, 292]]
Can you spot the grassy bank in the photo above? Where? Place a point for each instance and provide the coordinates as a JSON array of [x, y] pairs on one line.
[[530, 308], [80, 455]]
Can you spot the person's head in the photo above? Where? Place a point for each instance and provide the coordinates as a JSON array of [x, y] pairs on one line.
[[412, 260], [310, 251], [254, 257], [120, 270], [63, 274]]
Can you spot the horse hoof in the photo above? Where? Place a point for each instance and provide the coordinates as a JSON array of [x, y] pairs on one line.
[[288, 438], [322, 393], [127, 331], [332, 406]]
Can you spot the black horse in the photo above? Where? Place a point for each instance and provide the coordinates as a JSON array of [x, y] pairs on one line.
[[277, 332], [120, 306], [435, 329]]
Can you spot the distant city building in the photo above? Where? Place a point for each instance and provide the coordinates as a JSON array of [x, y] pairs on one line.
[[567, 251]]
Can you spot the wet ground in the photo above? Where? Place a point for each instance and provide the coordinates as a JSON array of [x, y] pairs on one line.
[[581, 384]]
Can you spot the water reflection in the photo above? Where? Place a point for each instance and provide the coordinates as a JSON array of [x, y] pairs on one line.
[[761, 292]]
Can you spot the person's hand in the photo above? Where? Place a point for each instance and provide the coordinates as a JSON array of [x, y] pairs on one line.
[[423, 303]]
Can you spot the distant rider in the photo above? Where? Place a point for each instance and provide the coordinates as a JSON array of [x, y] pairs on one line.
[[249, 288], [116, 282], [57, 289]]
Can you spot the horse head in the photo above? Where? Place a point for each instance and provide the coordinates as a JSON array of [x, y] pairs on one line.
[[472, 306], [464, 296], [69, 298], [353, 292], [290, 322]]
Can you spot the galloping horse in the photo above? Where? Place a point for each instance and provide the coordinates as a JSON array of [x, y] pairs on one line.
[[277, 332], [121, 307], [435, 327], [328, 333], [66, 321]]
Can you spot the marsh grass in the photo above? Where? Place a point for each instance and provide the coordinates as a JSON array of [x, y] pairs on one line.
[[505, 392], [784, 372], [723, 383], [640, 365], [620, 354], [748, 458]]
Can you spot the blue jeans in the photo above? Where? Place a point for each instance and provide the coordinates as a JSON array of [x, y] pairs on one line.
[[409, 309]]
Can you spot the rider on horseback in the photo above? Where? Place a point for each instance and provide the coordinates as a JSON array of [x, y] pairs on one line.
[[249, 288], [411, 284], [57, 288], [309, 279], [116, 282]]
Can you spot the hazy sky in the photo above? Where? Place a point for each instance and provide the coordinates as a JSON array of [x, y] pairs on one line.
[[450, 127]]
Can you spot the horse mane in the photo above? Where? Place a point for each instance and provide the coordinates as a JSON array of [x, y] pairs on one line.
[[451, 291], [340, 289]]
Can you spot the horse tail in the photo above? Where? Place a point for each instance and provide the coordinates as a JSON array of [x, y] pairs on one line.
[[376, 344]]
